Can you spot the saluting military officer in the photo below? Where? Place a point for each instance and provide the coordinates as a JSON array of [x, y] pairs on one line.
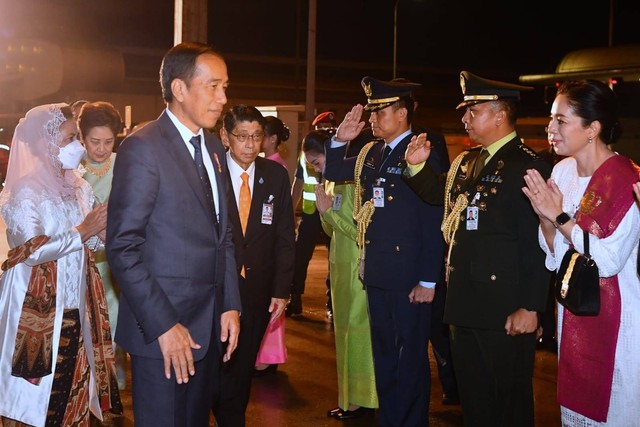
[[497, 281], [401, 247]]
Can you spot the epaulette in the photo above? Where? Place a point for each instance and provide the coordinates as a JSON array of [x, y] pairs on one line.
[[526, 150]]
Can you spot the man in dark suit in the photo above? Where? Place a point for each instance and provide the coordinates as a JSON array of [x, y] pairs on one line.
[[170, 246], [497, 281], [439, 335], [264, 249], [403, 249]]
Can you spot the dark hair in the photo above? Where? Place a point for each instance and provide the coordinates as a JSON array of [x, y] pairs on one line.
[[405, 102], [314, 141], [180, 63], [275, 126], [99, 113], [67, 112], [592, 100], [242, 113]]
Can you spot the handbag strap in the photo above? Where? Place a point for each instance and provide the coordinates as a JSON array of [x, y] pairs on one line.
[[586, 243]]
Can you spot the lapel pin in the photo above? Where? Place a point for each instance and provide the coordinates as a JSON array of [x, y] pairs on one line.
[[215, 157]]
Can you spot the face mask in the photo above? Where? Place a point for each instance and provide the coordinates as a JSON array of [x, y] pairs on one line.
[[71, 154]]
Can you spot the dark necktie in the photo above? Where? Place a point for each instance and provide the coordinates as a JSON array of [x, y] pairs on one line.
[[204, 176], [480, 161], [385, 153]]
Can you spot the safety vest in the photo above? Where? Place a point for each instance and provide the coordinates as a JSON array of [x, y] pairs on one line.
[[309, 186]]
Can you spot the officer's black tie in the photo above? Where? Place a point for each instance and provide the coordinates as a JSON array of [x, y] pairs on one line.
[[204, 176], [482, 158], [385, 153]]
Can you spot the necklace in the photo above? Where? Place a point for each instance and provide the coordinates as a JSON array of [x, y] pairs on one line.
[[97, 172]]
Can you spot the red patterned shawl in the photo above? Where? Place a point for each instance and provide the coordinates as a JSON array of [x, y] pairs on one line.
[[588, 347]]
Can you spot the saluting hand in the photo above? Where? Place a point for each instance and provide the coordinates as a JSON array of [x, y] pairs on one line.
[[418, 150], [351, 126]]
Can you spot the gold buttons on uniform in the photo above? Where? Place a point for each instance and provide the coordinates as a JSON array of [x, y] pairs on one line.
[[397, 248], [390, 198], [493, 277], [366, 242]]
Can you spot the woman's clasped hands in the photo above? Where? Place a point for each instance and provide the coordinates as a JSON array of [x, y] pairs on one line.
[[545, 196]]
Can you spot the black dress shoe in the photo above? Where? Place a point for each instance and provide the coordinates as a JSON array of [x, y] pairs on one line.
[[271, 369], [549, 344], [334, 412], [356, 413], [294, 306], [451, 398]]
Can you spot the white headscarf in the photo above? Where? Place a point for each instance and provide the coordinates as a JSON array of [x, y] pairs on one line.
[[33, 158]]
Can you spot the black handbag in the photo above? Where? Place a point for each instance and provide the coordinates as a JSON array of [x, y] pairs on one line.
[[577, 284]]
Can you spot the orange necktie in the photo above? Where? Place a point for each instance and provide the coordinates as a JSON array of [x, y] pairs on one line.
[[244, 206], [244, 201]]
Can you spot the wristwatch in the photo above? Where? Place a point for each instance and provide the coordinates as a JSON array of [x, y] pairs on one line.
[[562, 219]]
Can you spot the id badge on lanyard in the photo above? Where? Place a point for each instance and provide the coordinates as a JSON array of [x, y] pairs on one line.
[[378, 193], [473, 213]]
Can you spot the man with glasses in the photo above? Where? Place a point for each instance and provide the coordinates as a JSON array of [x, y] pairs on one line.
[[261, 214]]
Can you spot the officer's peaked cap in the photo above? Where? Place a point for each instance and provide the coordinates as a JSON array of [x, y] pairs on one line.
[[381, 94], [477, 89]]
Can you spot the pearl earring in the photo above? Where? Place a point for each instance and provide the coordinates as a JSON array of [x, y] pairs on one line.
[[590, 140]]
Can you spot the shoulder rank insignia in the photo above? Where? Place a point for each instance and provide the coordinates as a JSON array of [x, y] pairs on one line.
[[529, 152]]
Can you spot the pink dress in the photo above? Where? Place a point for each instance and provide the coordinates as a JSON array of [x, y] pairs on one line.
[[276, 157], [273, 349]]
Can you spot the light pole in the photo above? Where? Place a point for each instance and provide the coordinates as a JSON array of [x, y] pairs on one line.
[[395, 35]]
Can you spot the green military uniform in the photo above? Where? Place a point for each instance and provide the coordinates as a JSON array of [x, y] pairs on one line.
[[495, 266]]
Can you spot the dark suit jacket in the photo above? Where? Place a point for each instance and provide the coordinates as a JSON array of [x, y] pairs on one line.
[[267, 250], [403, 244], [499, 267], [169, 259]]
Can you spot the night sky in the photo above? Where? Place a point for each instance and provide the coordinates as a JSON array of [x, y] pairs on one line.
[[481, 36]]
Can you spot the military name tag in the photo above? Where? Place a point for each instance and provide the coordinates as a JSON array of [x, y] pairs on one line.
[[368, 163]]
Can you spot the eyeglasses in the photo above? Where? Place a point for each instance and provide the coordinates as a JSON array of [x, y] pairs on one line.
[[256, 137]]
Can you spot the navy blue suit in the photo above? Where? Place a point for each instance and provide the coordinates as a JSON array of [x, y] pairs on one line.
[[173, 266], [404, 246]]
